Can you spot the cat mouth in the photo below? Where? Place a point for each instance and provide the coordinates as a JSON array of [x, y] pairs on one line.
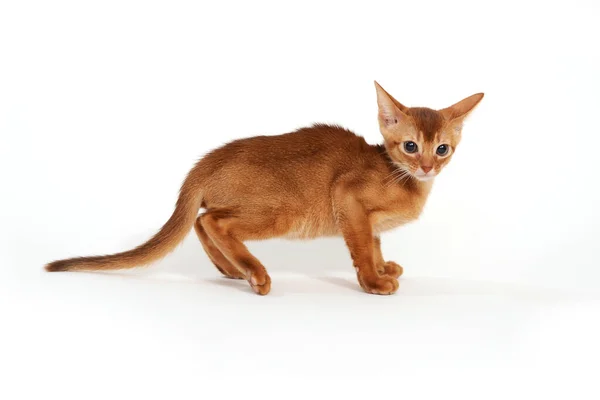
[[423, 176]]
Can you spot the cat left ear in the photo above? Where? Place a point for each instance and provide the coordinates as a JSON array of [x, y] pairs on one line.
[[391, 111], [462, 109]]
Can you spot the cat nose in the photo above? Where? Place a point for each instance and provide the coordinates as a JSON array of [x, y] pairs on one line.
[[426, 169]]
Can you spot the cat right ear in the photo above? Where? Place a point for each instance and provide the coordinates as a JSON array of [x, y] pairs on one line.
[[462, 109], [391, 111]]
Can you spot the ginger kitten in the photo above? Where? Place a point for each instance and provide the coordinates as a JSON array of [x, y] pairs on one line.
[[321, 180]]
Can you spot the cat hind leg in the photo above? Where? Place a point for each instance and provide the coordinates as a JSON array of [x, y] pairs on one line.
[[218, 259], [226, 231]]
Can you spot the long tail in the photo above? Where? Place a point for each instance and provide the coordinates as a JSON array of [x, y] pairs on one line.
[[162, 243]]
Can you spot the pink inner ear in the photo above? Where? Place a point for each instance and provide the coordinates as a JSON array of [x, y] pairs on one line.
[[390, 119]]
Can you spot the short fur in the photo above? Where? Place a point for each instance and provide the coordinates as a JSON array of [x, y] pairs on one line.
[[321, 180]]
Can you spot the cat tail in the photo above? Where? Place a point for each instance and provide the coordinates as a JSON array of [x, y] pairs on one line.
[[168, 237]]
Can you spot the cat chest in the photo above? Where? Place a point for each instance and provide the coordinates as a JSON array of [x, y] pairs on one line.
[[384, 221], [395, 211]]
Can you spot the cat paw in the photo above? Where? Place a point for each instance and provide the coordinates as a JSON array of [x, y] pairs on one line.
[[379, 285], [260, 284], [392, 269]]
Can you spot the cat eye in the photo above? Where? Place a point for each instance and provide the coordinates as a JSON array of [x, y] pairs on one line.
[[410, 147], [442, 150]]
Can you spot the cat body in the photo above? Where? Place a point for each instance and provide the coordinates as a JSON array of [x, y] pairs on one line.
[[297, 195], [318, 181]]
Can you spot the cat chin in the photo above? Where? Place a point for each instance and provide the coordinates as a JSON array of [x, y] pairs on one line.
[[424, 178]]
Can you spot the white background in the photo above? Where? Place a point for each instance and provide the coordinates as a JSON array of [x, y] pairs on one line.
[[104, 107]]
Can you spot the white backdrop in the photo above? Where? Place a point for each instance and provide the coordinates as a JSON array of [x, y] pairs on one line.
[[104, 107]]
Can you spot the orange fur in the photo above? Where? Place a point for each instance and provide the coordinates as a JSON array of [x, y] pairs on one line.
[[318, 181]]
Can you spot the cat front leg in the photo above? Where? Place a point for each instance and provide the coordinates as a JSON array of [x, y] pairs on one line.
[[389, 268], [358, 234]]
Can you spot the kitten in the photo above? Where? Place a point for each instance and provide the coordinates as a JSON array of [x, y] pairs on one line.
[[321, 180]]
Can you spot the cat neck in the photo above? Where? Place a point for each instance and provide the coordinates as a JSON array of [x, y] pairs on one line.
[[425, 186]]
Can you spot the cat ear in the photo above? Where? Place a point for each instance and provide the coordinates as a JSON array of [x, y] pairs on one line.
[[391, 111], [462, 109]]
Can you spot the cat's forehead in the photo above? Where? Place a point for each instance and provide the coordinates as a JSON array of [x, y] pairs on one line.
[[427, 121]]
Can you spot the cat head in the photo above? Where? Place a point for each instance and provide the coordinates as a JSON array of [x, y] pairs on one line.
[[419, 140]]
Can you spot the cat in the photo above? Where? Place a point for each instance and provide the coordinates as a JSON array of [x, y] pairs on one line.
[[322, 180]]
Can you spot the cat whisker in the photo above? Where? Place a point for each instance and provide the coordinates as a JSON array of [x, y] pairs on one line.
[[402, 177], [406, 178], [395, 174]]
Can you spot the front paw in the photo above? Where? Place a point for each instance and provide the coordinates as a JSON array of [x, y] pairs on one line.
[[390, 268], [378, 284]]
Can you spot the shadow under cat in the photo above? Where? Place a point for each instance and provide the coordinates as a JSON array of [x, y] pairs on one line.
[[301, 264]]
